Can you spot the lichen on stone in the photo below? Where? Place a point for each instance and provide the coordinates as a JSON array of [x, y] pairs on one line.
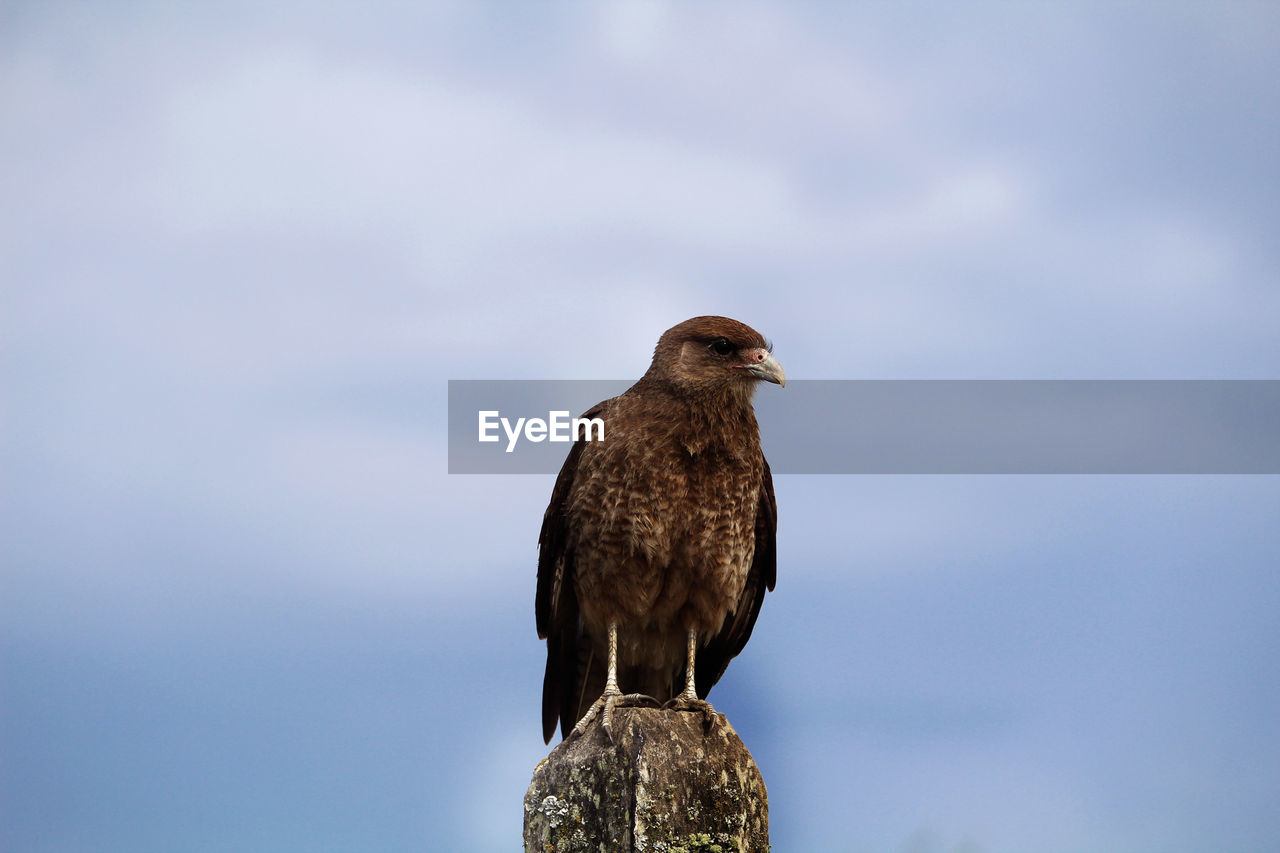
[[645, 791]]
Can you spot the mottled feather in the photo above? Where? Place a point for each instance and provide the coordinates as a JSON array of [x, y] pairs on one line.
[[665, 526]]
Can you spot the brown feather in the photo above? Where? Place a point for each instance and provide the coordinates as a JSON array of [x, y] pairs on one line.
[[665, 526]]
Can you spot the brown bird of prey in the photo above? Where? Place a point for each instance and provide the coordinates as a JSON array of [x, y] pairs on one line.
[[658, 545]]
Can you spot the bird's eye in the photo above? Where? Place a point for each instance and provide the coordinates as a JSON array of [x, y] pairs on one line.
[[720, 346]]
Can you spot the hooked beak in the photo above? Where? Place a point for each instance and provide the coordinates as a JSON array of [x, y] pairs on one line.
[[767, 368]]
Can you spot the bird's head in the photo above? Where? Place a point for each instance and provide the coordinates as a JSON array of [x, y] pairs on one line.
[[712, 352]]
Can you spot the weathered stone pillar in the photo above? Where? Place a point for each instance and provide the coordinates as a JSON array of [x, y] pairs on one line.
[[674, 781]]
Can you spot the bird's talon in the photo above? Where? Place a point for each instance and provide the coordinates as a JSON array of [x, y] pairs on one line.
[[700, 706], [604, 707]]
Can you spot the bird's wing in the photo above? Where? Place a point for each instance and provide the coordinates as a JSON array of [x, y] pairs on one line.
[[556, 601], [725, 645]]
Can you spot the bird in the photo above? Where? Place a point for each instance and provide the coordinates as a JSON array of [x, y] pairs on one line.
[[659, 541]]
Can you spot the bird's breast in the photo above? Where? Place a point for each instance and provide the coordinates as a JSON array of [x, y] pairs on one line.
[[664, 536]]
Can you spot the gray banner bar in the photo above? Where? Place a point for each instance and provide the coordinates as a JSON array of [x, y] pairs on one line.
[[918, 426]]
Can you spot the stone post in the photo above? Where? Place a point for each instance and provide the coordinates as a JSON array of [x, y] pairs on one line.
[[673, 782]]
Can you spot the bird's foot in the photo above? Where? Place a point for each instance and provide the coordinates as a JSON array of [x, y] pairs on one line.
[[603, 708], [690, 702]]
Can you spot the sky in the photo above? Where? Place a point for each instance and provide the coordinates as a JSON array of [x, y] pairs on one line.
[[245, 246]]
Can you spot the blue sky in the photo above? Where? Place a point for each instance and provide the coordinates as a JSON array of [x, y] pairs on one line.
[[244, 606]]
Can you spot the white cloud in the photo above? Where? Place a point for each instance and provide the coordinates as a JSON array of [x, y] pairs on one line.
[[243, 244]]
